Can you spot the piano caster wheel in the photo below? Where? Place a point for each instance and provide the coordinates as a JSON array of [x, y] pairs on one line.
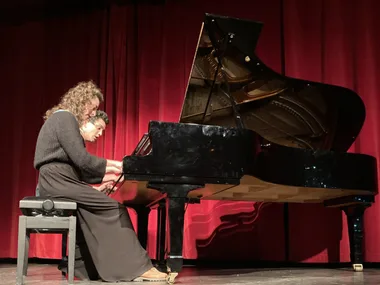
[[357, 267], [171, 277]]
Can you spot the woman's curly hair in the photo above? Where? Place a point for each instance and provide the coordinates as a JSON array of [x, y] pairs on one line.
[[76, 98]]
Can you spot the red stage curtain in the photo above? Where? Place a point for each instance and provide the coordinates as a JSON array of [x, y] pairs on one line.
[[335, 42], [141, 57]]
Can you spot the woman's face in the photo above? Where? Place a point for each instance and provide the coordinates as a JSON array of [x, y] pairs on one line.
[[90, 109]]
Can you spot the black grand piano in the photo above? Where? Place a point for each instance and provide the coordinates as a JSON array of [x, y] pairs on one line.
[[247, 133]]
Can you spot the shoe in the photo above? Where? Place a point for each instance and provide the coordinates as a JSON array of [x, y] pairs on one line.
[[152, 275], [80, 271], [77, 274]]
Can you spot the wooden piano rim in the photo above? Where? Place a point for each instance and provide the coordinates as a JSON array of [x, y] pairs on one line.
[[250, 189], [254, 189]]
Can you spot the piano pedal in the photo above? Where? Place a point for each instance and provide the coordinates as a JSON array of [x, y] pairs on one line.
[[357, 267], [171, 277]]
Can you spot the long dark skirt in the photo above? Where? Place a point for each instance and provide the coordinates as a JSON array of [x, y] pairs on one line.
[[106, 226]]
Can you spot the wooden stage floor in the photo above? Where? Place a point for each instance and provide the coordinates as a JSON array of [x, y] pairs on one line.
[[49, 275]]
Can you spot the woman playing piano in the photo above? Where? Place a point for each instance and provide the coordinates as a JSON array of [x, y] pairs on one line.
[[63, 162]]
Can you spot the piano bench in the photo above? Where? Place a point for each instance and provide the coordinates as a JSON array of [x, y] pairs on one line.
[[45, 215]]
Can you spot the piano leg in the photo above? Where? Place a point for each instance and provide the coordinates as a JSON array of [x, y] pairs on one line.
[[354, 215], [142, 212], [161, 235], [176, 198], [176, 214], [354, 207]]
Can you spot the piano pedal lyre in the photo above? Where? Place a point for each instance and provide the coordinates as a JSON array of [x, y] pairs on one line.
[[357, 267]]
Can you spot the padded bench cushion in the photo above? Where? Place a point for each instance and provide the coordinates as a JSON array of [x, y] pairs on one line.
[[35, 206], [34, 202]]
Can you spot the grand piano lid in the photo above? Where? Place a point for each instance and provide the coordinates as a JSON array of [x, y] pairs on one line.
[[246, 93]]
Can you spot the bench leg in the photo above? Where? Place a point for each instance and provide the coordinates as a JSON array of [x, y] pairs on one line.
[[22, 252], [26, 259], [64, 253], [72, 238]]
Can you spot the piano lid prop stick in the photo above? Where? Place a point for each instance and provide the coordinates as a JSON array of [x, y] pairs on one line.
[[109, 191]]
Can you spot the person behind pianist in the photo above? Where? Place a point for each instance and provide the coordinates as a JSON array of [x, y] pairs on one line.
[[91, 130], [65, 166]]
